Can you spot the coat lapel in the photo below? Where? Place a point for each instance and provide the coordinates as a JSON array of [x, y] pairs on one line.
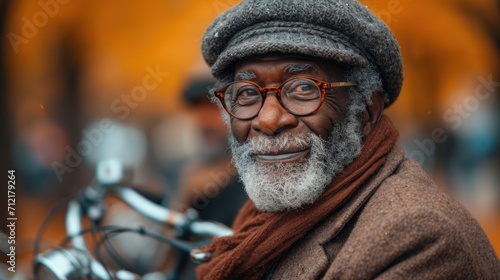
[[308, 259]]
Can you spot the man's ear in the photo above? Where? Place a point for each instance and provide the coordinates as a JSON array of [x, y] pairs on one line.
[[373, 113]]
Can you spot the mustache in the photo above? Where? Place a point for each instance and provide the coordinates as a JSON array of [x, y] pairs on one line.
[[276, 144]]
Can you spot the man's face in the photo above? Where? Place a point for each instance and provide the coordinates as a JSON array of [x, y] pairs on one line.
[[286, 161], [273, 119]]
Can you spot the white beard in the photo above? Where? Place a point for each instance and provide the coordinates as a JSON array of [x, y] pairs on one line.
[[284, 186]]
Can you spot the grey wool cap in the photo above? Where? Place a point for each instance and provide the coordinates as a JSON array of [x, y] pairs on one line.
[[342, 31]]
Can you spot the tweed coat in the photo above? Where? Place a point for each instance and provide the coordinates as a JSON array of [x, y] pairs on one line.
[[399, 225]]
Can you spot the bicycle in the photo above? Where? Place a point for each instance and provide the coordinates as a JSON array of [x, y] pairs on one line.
[[78, 262]]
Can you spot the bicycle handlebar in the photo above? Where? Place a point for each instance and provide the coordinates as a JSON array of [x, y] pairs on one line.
[[164, 215], [64, 262]]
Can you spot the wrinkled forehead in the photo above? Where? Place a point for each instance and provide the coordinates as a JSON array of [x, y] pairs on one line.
[[246, 69]]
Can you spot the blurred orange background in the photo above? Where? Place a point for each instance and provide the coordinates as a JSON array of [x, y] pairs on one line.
[[68, 63]]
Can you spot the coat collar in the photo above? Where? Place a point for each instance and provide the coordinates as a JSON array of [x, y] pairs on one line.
[[308, 259]]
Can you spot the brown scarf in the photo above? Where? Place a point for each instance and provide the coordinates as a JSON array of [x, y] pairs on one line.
[[261, 238]]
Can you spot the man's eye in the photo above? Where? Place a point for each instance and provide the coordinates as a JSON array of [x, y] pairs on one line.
[[243, 93], [247, 96], [303, 88]]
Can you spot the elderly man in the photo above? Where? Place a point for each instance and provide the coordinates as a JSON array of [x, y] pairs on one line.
[[304, 84]]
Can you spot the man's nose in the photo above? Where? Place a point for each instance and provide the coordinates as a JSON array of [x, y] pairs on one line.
[[273, 118]]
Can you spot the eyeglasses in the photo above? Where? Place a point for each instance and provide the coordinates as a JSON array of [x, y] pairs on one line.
[[301, 97]]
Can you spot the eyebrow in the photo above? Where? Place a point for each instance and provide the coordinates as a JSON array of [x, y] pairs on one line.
[[300, 68], [290, 69], [245, 75]]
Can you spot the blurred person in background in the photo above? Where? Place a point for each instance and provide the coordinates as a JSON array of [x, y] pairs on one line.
[[210, 186], [192, 154]]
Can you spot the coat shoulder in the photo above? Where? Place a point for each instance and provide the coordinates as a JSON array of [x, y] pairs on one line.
[[409, 228], [410, 190]]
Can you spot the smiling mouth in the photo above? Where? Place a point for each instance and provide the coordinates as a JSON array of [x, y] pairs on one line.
[[284, 157]]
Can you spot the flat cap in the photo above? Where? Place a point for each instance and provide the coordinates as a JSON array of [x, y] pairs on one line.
[[342, 31]]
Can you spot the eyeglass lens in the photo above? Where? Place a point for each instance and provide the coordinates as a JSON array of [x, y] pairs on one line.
[[298, 96]]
